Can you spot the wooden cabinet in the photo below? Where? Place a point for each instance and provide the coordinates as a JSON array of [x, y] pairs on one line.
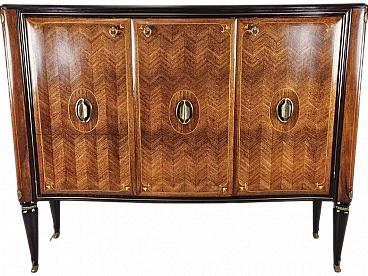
[[184, 104]]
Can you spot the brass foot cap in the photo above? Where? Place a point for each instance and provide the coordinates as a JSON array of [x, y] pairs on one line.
[[34, 268], [316, 236], [337, 268], [55, 236]]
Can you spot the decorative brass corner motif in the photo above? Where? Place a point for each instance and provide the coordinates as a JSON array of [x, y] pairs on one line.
[[329, 27], [226, 28], [223, 189], [243, 187], [319, 186], [147, 188]]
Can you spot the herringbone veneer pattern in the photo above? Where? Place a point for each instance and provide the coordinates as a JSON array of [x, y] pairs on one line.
[[69, 56], [298, 55], [196, 56]]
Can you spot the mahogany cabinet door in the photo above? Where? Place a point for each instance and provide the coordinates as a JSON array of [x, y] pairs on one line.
[[185, 94], [82, 92], [285, 103]]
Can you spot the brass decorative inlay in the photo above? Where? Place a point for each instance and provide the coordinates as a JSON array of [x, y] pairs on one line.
[[126, 188], [344, 209], [319, 186], [2, 18], [243, 187], [226, 29], [223, 189], [329, 27], [28, 208], [19, 193], [146, 188]]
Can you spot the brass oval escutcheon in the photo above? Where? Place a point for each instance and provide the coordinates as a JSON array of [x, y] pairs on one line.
[[83, 110], [284, 109], [184, 111]]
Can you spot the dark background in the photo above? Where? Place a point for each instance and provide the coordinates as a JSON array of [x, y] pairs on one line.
[[251, 238]]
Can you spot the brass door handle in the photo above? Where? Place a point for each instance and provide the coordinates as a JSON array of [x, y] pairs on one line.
[[83, 110], [252, 29], [147, 31], [113, 31], [184, 112], [284, 110]]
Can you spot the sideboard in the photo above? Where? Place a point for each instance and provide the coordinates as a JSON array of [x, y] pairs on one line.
[[184, 104]]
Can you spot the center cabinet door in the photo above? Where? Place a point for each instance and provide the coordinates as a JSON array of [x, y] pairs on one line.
[[286, 91], [185, 94]]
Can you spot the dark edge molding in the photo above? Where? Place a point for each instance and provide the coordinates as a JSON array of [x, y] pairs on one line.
[[340, 102], [28, 103], [174, 12]]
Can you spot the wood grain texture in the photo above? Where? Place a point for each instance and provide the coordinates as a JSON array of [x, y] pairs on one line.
[[295, 54], [351, 106], [194, 55], [70, 59], [17, 105]]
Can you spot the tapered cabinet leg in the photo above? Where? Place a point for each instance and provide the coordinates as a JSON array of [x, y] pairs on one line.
[[30, 218], [317, 205], [340, 220], [55, 212]]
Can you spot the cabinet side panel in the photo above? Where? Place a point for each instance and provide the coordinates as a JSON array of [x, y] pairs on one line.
[[17, 105], [351, 105]]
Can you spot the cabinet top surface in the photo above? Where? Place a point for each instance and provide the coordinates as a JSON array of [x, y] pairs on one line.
[[185, 9]]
